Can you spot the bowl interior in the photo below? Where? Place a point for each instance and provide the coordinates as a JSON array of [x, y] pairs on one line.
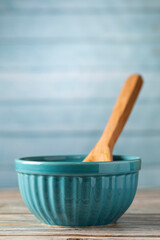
[[74, 158]]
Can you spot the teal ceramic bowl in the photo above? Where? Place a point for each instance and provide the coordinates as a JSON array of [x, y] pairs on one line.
[[63, 190]]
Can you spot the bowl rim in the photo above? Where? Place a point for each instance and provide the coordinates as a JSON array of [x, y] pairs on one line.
[[72, 165]]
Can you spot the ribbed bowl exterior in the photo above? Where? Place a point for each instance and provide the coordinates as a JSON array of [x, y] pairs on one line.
[[78, 201]]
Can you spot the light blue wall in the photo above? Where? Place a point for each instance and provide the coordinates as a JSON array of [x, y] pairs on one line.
[[62, 65]]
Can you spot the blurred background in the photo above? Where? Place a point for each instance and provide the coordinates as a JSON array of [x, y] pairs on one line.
[[62, 65]]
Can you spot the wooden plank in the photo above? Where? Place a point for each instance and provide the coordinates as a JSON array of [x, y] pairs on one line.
[[53, 120], [28, 220], [46, 238], [145, 202], [11, 194], [6, 4], [80, 57], [13, 224], [55, 101], [72, 238], [63, 85], [91, 28], [141, 224], [128, 226], [74, 119], [96, 86]]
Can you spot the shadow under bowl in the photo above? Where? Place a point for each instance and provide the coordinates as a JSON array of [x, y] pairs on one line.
[[63, 190]]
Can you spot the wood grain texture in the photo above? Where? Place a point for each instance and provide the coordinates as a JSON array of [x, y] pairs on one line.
[[15, 27], [73, 237], [50, 116], [83, 57], [6, 4], [85, 3], [70, 85], [141, 221], [61, 94], [60, 62]]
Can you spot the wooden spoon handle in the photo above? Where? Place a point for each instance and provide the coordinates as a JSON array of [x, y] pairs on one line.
[[104, 148], [122, 110]]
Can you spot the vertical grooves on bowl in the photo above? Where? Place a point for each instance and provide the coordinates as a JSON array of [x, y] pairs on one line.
[[33, 194], [57, 199], [38, 199], [74, 194], [51, 199], [112, 200], [81, 196], [42, 193], [101, 202], [78, 201], [89, 199], [72, 204], [95, 199], [105, 201], [133, 187], [27, 191], [127, 189], [121, 195], [73, 200], [63, 198], [21, 187], [128, 192], [83, 199], [30, 195], [20, 184], [46, 202]]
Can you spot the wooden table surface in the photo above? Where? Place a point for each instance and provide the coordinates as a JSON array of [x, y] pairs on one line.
[[141, 221]]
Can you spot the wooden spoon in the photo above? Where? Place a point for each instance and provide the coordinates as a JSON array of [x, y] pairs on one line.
[[104, 148]]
